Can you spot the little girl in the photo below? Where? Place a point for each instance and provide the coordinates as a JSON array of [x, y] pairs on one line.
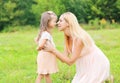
[[46, 62]]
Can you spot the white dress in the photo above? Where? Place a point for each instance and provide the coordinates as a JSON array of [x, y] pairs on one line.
[[92, 67]]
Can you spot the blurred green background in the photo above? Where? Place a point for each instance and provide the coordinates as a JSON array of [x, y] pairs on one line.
[[19, 25], [28, 12]]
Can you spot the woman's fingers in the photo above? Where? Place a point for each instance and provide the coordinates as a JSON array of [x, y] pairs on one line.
[[48, 47]]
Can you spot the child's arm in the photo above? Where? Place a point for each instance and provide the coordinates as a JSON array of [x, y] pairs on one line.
[[41, 44]]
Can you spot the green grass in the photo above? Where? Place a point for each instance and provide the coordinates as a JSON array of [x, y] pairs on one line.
[[18, 55]]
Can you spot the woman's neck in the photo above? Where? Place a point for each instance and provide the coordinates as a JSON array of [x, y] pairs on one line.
[[67, 32]]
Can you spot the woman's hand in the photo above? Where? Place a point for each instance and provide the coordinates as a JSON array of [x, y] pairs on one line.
[[49, 47]]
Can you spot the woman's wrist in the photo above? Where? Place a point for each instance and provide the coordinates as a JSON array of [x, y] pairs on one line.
[[53, 50]]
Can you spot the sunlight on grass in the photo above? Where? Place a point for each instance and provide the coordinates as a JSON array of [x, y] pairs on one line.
[[18, 55]]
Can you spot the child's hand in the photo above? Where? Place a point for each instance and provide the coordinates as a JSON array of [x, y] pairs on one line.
[[37, 49]]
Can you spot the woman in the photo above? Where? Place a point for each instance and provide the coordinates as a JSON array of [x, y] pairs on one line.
[[92, 66]]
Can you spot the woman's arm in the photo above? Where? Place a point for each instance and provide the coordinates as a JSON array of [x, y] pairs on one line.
[[78, 45], [65, 53], [41, 44]]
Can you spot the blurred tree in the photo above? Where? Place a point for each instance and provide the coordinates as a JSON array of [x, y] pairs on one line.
[[16, 12], [86, 10], [23, 12], [46, 5]]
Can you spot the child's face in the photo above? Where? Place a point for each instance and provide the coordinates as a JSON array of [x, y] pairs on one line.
[[52, 22]]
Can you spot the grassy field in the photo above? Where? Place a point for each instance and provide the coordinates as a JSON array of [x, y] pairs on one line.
[[18, 55]]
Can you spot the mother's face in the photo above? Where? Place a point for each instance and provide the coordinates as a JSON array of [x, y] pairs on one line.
[[62, 24]]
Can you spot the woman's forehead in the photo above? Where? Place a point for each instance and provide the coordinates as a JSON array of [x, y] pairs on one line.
[[61, 17]]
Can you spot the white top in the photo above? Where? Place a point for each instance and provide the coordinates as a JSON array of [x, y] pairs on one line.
[[46, 35]]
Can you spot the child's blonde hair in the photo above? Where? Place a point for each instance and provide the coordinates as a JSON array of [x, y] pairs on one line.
[[45, 18], [76, 30]]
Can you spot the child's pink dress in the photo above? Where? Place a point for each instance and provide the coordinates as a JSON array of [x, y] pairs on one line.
[[46, 61]]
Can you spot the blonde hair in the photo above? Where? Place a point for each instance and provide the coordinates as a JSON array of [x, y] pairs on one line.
[[76, 30]]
